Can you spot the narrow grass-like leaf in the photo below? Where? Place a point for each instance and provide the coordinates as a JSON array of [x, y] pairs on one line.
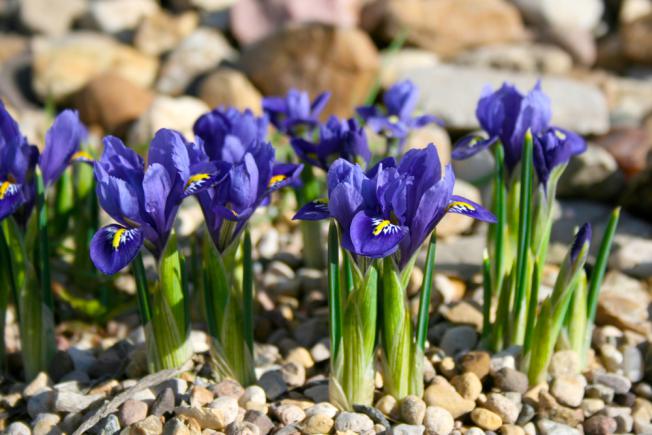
[[334, 303], [487, 294], [524, 229], [426, 290], [43, 249], [248, 290], [498, 229], [532, 308], [142, 289]]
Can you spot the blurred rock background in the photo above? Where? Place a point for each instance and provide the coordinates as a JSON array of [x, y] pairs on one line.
[[133, 66]]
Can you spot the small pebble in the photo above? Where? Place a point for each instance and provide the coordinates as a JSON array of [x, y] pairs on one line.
[[254, 394], [413, 409], [200, 396], [526, 415], [46, 424], [228, 407], [164, 402], [569, 390], [438, 421], [323, 408], [478, 362], [600, 425], [408, 429], [458, 339], [288, 414], [618, 383], [633, 364], [351, 421], [511, 429], [388, 405], [505, 408], [549, 427], [486, 419], [591, 406], [150, 426], [260, 420], [468, 385], [602, 392], [318, 424], [564, 363], [132, 411], [18, 428], [374, 414], [508, 379]]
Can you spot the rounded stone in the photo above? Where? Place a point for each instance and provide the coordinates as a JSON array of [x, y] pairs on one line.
[[413, 410], [438, 421], [486, 419], [468, 385], [600, 425]]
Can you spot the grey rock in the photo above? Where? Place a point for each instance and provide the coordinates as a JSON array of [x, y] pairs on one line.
[[41, 381], [508, 379], [549, 427], [317, 393], [618, 383], [351, 421], [526, 415], [527, 57], [41, 402], [569, 390], [408, 429], [599, 391], [260, 420], [374, 414], [67, 401], [81, 358], [582, 14], [593, 174], [633, 365], [438, 421], [273, 384], [457, 339], [109, 425], [634, 258], [600, 425], [198, 53], [507, 410], [18, 428], [164, 402], [452, 92]]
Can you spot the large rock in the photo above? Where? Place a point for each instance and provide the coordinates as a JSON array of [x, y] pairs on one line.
[[65, 65], [316, 58], [111, 102], [452, 93], [581, 14], [447, 27], [623, 302], [198, 53], [638, 195], [112, 16], [593, 174], [168, 112], [161, 32], [634, 258], [50, 17], [252, 20], [395, 63], [230, 88], [528, 57]]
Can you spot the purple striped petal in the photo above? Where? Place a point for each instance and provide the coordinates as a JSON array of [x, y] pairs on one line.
[[461, 205], [114, 247], [313, 211], [375, 237]]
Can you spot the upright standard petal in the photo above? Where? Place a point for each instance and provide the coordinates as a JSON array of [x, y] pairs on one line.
[[62, 141], [114, 247]]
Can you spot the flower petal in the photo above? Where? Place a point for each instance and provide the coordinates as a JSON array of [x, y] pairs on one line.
[[470, 145], [11, 197], [114, 246], [461, 205], [205, 175], [375, 237], [313, 211], [62, 140], [284, 174]]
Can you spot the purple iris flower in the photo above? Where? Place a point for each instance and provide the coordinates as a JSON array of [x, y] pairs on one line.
[[394, 118], [555, 147], [337, 139], [144, 200], [506, 115], [393, 207], [17, 163], [582, 237], [238, 138], [62, 146], [294, 114]]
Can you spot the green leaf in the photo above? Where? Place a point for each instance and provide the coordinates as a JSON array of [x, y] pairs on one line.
[[248, 291], [334, 303], [426, 290]]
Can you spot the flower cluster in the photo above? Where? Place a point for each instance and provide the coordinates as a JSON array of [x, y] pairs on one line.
[[506, 115], [394, 206]]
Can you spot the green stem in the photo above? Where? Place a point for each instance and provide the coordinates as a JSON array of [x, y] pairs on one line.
[[424, 298], [334, 303], [486, 295], [248, 291]]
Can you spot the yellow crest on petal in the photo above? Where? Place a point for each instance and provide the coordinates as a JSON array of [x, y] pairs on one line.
[[276, 179], [195, 181], [118, 238], [460, 206], [380, 225], [81, 156]]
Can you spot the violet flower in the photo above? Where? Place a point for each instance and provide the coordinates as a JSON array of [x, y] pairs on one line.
[[17, 163], [238, 138], [144, 200], [394, 118], [62, 146], [337, 139], [294, 114], [505, 115], [393, 207], [554, 147]]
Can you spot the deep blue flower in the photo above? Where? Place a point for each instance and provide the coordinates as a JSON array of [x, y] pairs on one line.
[[505, 115], [554, 147], [17, 163], [337, 139], [238, 139], [394, 118], [394, 206], [62, 146], [144, 200], [294, 114], [582, 238]]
